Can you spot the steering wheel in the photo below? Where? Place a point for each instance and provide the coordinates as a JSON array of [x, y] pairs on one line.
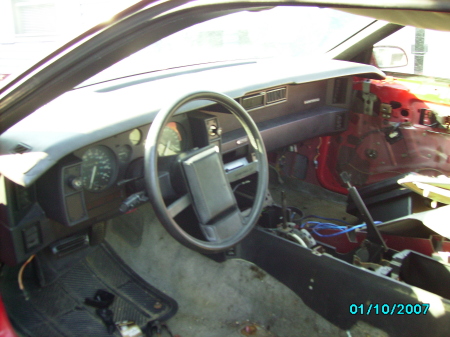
[[207, 184]]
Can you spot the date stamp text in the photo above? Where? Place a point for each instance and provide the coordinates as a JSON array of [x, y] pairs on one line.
[[389, 309]]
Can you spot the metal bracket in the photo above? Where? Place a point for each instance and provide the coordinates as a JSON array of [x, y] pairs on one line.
[[368, 97]]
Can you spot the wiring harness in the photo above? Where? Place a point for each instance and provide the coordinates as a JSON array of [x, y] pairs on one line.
[[317, 226]]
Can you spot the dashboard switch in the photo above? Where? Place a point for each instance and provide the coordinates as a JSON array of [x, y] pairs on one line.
[[206, 126], [133, 201]]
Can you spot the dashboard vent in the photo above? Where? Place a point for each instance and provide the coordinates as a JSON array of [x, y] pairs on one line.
[[276, 95], [340, 122], [253, 102], [31, 237], [340, 90], [70, 245], [264, 98], [21, 148], [24, 197]]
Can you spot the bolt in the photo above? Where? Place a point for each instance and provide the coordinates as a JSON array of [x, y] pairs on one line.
[[393, 134], [249, 330], [371, 153]]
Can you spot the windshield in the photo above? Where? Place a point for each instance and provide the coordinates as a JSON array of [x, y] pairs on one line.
[[288, 32], [32, 29]]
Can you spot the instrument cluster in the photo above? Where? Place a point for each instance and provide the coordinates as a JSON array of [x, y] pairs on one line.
[[95, 182], [104, 164]]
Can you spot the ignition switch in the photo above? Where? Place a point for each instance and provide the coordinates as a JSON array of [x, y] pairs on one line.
[[214, 131]]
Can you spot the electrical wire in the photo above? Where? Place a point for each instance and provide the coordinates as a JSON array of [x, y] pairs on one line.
[[316, 163], [328, 225], [240, 184], [317, 226], [20, 276], [280, 181], [298, 239], [430, 169]]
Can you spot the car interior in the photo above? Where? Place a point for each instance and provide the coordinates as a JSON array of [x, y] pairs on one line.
[[238, 198]]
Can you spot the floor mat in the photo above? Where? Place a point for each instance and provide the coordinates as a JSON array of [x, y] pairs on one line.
[[59, 310], [129, 227]]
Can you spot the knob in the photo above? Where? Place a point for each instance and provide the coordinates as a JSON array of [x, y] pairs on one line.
[[214, 130], [76, 183]]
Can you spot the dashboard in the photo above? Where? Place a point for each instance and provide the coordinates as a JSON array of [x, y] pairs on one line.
[[92, 172]]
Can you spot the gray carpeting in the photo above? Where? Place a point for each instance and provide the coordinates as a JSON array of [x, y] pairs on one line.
[[220, 299]]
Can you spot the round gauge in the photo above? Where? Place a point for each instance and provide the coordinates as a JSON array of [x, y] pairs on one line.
[[135, 136], [124, 153], [98, 168], [171, 141]]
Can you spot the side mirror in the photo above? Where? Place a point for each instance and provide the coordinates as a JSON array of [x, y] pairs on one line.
[[389, 57]]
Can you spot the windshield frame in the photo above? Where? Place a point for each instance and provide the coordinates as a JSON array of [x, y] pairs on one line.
[[82, 59], [240, 37]]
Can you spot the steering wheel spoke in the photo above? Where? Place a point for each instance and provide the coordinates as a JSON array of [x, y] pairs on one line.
[[242, 171], [179, 205], [225, 228]]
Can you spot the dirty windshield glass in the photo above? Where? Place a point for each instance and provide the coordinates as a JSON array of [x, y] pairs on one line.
[[285, 32], [32, 29]]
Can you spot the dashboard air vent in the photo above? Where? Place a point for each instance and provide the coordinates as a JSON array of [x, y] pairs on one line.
[[340, 122], [340, 90], [264, 98], [24, 197], [276, 95], [70, 245], [253, 101], [21, 148]]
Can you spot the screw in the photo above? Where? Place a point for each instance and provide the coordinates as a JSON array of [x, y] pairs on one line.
[[249, 330]]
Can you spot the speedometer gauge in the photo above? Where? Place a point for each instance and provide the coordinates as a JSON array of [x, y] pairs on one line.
[[98, 168], [171, 141]]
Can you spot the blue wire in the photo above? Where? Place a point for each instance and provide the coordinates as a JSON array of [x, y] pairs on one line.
[[328, 225]]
